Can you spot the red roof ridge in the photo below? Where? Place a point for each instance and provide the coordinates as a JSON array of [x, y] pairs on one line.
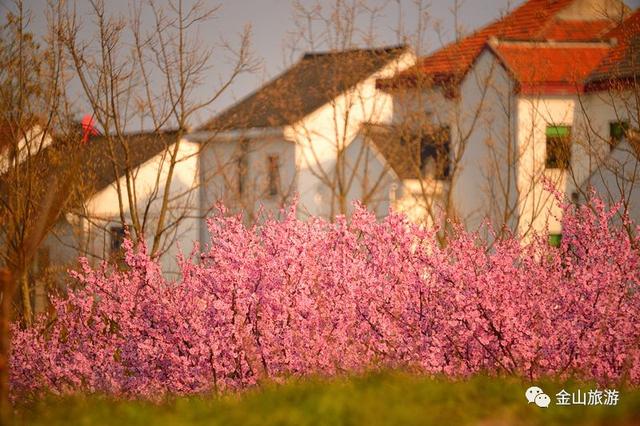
[[575, 29], [605, 44]]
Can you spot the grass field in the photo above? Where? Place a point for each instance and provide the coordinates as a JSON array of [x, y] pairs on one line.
[[390, 398]]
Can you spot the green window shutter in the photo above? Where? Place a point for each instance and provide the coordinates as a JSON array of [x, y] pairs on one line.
[[555, 239], [618, 129], [558, 131]]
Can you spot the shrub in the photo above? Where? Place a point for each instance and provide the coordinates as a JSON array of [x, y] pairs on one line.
[[290, 297]]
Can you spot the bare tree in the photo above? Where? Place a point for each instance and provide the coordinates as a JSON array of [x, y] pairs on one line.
[[37, 160], [144, 87], [337, 162], [38, 136]]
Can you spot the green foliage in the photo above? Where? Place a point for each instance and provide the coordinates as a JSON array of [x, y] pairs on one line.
[[377, 398]]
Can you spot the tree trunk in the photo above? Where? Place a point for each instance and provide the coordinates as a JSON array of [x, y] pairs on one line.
[[7, 286], [27, 312]]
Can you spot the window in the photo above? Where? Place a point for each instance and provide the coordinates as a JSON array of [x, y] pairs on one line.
[[117, 238], [558, 147], [555, 240], [434, 154], [617, 131], [273, 175], [243, 166]]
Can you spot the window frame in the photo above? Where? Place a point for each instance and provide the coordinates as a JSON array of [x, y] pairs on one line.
[[242, 166], [117, 233], [555, 137], [614, 140], [273, 175], [438, 147]]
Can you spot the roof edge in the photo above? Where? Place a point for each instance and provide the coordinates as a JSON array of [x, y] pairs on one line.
[[382, 49]]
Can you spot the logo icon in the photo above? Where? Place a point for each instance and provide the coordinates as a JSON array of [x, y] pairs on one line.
[[537, 396]]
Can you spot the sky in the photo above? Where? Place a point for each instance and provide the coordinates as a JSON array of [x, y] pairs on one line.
[[272, 27], [271, 22]]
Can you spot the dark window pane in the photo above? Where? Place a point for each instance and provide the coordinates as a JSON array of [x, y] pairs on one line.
[[117, 238], [435, 152], [243, 166], [273, 175]]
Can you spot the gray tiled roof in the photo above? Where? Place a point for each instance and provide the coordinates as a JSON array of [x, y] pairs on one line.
[[98, 163], [100, 156], [627, 65], [310, 83]]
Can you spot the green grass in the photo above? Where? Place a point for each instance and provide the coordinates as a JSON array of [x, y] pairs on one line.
[[390, 398]]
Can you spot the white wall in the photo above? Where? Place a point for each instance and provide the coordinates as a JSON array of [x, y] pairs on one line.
[[615, 174], [535, 203], [483, 139], [220, 172], [417, 106], [618, 179], [184, 207], [423, 201], [33, 141], [320, 137], [373, 179], [51, 262], [589, 116]]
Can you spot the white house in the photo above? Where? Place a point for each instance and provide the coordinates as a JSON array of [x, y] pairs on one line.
[[473, 130], [302, 134], [298, 135], [30, 141], [97, 224], [543, 95]]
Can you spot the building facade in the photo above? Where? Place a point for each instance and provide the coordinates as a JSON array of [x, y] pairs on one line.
[[487, 127]]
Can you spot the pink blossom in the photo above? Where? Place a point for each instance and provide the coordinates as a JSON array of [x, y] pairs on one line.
[[289, 297]]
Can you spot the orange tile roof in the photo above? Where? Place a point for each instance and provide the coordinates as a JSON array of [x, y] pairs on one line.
[[533, 20], [550, 67], [524, 23]]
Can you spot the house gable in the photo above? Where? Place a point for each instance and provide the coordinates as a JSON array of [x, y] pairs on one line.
[[549, 67]]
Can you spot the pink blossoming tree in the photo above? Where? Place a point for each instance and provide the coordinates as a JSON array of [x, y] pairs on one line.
[[290, 297]]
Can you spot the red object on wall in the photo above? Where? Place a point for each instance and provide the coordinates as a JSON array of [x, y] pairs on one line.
[[88, 128]]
